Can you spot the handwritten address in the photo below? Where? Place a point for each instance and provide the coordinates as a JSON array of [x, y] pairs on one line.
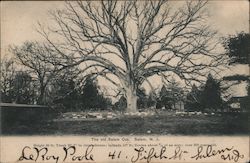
[[136, 154]]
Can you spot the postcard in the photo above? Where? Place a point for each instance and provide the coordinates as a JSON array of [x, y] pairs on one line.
[[124, 81]]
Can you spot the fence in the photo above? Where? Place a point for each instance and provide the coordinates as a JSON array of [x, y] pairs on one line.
[[18, 114]]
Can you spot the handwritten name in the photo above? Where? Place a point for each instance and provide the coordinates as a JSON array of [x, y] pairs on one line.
[[35, 154]]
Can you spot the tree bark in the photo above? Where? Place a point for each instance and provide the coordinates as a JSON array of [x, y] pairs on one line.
[[131, 99]]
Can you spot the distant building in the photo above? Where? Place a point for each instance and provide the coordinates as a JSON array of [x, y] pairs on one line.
[[239, 103], [179, 105], [236, 96]]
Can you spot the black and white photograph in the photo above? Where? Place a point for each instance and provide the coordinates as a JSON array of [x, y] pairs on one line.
[[154, 67]]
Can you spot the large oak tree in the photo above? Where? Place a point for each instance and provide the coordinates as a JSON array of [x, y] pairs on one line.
[[127, 42]]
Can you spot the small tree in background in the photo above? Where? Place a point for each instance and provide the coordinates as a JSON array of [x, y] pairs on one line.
[[91, 98], [151, 102], [22, 88], [193, 101], [66, 94], [211, 94], [8, 71], [121, 104], [171, 94], [142, 98], [176, 92], [165, 99], [90, 94]]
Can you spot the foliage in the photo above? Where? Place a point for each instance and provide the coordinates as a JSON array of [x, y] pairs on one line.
[[193, 101], [72, 97], [237, 47], [211, 94], [121, 104], [142, 98], [236, 77], [165, 99], [206, 98], [91, 98], [151, 102], [65, 90], [66, 94], [170, 95], [22, 88], [17, 86], [38, 59], [8, 71]]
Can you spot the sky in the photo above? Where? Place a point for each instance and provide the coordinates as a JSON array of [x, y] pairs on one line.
[[19, 20]]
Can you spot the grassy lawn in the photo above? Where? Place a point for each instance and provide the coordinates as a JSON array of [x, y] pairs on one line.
[[162, 124]]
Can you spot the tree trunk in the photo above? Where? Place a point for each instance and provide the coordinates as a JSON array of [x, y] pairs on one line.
[[131, 100], [41, 96]]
